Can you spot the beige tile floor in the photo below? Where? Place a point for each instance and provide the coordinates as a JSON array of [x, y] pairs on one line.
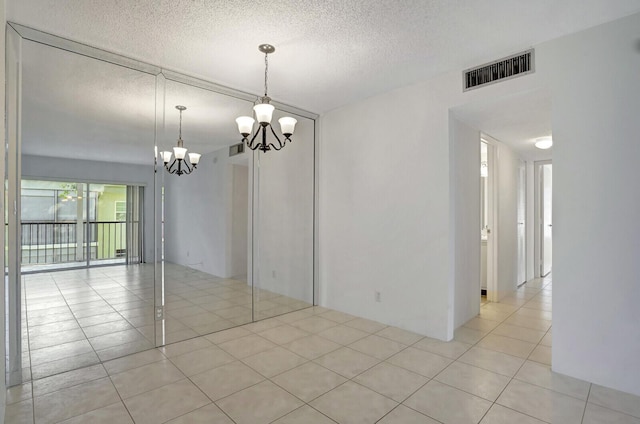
[[318, 366], [77, 318]]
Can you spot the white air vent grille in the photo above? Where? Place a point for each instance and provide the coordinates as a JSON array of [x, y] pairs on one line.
[[499, 70], [236, 149]]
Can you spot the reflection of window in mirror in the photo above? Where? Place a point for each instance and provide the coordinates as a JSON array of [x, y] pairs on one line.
[[120, 210]]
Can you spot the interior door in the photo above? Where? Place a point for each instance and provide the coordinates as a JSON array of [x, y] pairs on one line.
[[546, 221], [521, 213], [491, 229]]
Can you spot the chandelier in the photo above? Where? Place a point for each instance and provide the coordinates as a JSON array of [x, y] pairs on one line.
[[180, 165], [264, 113]]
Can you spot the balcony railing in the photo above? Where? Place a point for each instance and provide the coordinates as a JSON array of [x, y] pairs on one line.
[[57, 242]]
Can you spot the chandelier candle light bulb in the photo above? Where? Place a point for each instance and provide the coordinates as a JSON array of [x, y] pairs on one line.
[[264, 114]]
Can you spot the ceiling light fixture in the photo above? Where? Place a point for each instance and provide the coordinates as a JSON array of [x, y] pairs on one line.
[[544, 143], [264, 112], [180, 165]]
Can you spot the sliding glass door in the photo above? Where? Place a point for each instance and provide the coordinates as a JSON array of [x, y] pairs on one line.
[[52, 225], [71, 224], [107, 224]]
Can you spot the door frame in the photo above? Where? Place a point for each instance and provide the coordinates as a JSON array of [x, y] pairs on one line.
[[492, 217], [537, 219], [522, 191]]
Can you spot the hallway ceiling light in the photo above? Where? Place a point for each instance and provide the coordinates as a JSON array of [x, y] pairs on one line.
[[264, 112], [180, 165], [544, 143]]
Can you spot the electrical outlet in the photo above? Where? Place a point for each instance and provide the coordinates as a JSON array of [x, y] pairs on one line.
[[378, 296]]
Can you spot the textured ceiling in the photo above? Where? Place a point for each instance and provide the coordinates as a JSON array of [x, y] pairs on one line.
[[516, 120], [329, 53], [74, 105]]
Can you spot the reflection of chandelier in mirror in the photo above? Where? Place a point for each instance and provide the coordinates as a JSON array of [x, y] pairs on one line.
[[264, 112], [180, 165]]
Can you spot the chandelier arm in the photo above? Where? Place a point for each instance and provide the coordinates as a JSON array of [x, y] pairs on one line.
[[274, 147], [170, 167], [250, 144], [254, 147], [277, 138]]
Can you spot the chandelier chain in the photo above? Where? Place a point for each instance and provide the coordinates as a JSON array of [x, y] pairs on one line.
[[180, 130], [266, 70]]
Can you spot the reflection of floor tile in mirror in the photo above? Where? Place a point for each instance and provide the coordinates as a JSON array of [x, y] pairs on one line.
[[76, 318]]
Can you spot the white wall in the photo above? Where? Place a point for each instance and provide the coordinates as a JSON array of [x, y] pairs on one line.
[[196, 215], [465, 196], [385, 204], [507, 216], [239, 220], [530, 221], [384, 210], [283, 216], [596, 201], [61, 169]]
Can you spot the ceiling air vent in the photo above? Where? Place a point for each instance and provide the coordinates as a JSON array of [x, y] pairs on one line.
[[503, 69], [236, 149]]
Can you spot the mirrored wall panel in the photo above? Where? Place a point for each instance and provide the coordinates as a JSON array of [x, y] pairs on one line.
[[283, 199], [140, 218], [86, 223], [206, 210]]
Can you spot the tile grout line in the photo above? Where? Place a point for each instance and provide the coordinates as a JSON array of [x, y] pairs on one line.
[[475, 344], [516, 373], [32, 380], [307, 361], [586, 403], [364, 371], [342, 346]]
